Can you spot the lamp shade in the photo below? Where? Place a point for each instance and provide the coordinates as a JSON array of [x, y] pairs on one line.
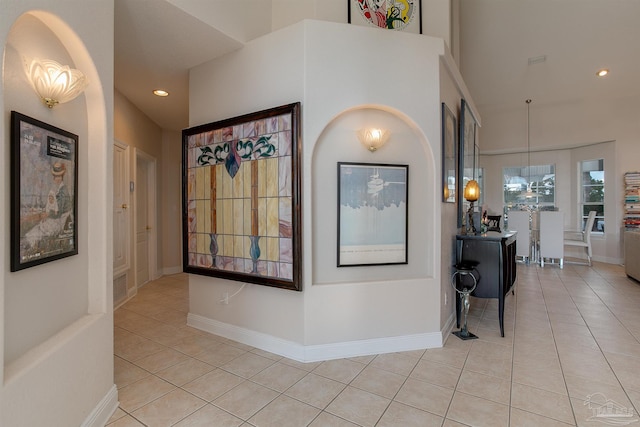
[[373, 138], [54, 83], [472, 191]]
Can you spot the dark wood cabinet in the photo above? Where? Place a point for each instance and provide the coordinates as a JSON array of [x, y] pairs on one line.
[[495, 256]]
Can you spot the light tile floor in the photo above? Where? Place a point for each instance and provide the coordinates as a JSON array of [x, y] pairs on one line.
[[571, 344]]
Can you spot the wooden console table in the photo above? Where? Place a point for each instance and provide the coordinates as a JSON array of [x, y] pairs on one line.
[[495, 255]]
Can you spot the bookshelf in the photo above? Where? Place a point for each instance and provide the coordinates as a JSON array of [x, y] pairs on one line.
[[632, 201]]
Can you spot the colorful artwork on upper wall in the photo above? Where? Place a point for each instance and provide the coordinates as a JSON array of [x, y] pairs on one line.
[[399, 15], [241, 198]]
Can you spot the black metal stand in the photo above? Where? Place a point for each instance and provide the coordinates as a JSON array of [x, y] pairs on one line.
[[463, 271]]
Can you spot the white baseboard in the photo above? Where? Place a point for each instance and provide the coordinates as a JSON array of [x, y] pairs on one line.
[[448, 327], [104, 410], [167, 271], [315, 353]]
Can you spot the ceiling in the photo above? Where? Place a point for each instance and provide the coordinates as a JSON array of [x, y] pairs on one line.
[[156, 43]]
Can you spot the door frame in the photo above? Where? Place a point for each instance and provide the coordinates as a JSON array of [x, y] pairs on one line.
[[126, 180], [152, 212]]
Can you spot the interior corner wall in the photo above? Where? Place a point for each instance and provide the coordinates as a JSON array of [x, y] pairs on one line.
[[55, 318], [451, 96], [171, 205], [138, 131], [267, 72], [322, 64]]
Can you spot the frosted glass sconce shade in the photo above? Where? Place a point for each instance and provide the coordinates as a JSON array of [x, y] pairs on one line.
[[54, 83], [472, 191], [373, 139]]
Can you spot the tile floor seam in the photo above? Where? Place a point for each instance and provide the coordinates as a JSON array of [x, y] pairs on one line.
[[624, 389], [484, 307], [555, 345], [597, 280]]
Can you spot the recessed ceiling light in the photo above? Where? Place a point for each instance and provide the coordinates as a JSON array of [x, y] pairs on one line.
[[160, 92], [603, 72]]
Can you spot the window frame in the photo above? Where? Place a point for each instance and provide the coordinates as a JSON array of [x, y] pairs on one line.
[[583, 210]]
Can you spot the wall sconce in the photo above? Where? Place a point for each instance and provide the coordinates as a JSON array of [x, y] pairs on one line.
[[471, 194], [54, 83], [373, 138]]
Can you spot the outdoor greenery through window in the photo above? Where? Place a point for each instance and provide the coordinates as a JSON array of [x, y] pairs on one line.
[[592, 191], [529, 187]]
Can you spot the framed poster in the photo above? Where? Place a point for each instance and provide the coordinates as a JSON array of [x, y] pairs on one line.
[[399, 15], [466, 156], [241, 198], [44, 182], [372, 214], [449, 161]]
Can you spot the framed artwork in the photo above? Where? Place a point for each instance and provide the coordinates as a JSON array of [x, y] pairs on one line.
[[372, 214], [403, 15], [449, 161], [466, 156], [241, 198], [44, 182]]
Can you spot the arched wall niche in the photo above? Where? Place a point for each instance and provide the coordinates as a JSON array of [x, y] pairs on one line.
[[42, 301], [407, 145]]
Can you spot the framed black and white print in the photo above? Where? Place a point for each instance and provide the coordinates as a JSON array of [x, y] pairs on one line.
[[466, 156], [449, 160], [44, 183], [372, 214], [398, 15]]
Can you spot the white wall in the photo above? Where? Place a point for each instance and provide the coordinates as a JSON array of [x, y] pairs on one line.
[[338, 306], [56, 322]]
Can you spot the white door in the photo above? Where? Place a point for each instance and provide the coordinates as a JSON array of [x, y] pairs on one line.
[[145, 218], [121, 258]]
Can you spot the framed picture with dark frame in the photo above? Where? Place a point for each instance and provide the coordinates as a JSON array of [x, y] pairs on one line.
[[241, 189], [404, 16], [372, 214], [466, 156], [449, 160], [44, 183]]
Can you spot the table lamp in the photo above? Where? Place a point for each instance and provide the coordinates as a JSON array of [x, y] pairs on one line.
[[471, 194]]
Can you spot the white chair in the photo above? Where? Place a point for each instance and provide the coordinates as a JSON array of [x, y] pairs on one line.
[[583, 239], [551, 236], [519, 221]]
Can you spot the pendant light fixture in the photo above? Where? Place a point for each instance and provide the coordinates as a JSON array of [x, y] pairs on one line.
[[528, 194]]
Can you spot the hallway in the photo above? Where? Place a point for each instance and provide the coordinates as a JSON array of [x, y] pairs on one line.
[[569, 334]]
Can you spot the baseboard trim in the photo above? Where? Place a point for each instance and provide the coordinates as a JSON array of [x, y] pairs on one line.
[[104, 410], [167, 271], [448, 327], [315, 353]]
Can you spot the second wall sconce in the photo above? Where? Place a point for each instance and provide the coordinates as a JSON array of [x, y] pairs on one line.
[[54, 83], [373, 138]]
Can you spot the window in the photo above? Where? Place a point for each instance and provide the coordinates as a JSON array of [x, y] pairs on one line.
[[531, 187], [592, 192]]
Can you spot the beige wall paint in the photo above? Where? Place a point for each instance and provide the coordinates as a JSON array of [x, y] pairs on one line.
[[336, 305], [135, 129], [63, 363]]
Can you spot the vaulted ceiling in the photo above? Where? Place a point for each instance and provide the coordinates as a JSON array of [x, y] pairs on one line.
[[510, 50]]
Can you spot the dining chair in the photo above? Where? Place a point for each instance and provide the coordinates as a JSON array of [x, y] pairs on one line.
[[582, 239], [519, 222], [551, 236]]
